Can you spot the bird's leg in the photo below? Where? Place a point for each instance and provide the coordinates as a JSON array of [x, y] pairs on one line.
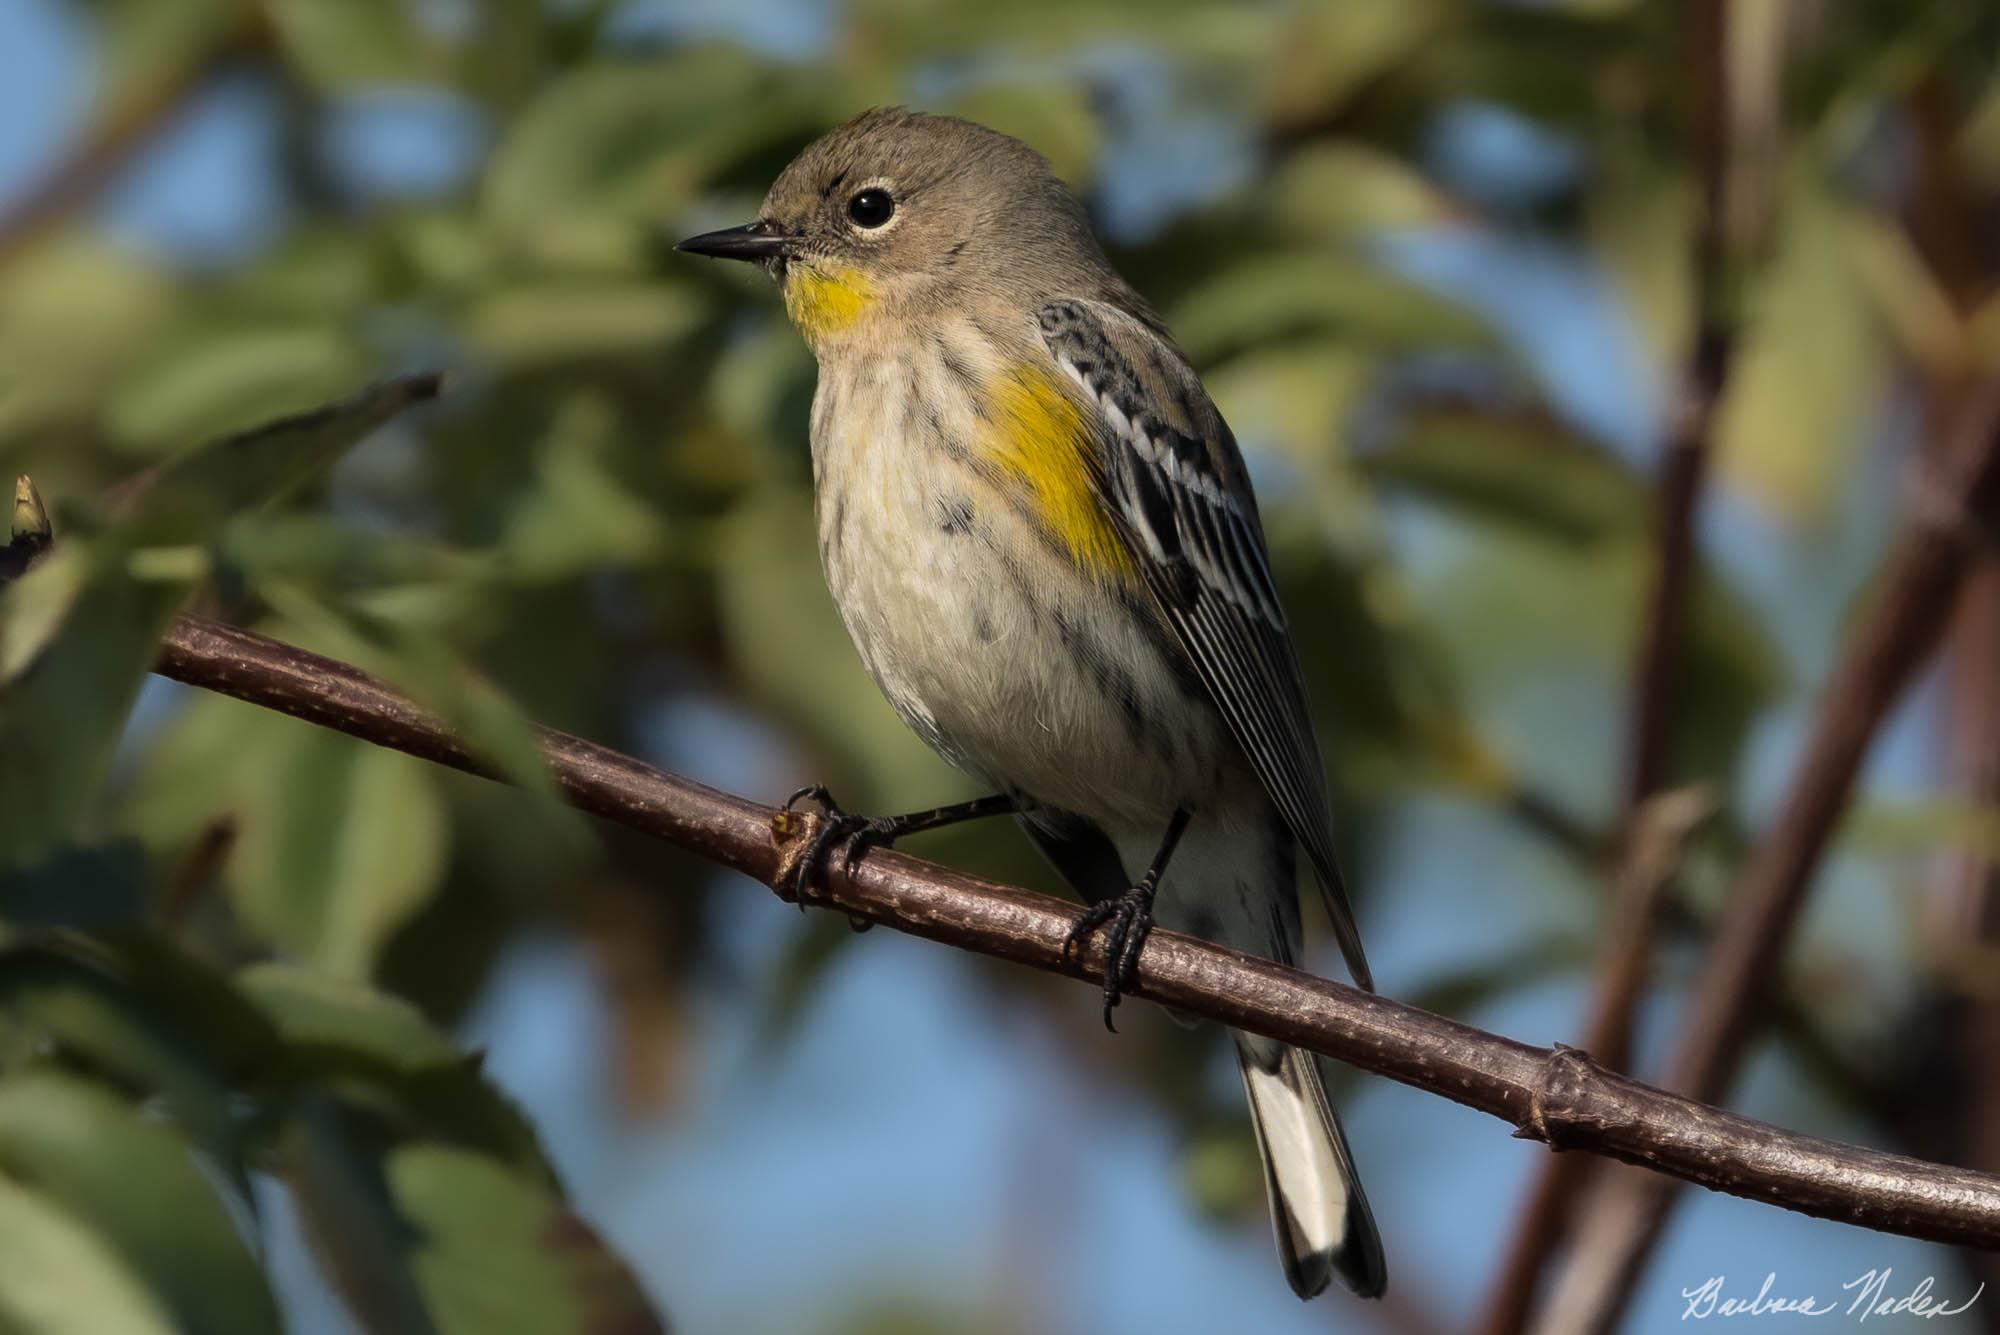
[[1130, 916], [858, 834]]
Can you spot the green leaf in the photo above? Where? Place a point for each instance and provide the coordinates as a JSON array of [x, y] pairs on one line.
[[1221, 1172], [135, 1181], [1300, 396], [1810, 368], [580, 517], [550, 324], [76, 637], [1741, 669], [1886, 827], [188, 496], [1638, 224], [172, 994], [886, 39], [351, 845], [395, 640], [317, 550], [336, 1167], [1548, 61], [355, 42], [317, 1010], [1331, 49], [1519, 470], [377, 1049], [1527, 479], [1335, 192], [75, 316], [755, 389], [501, 1253], [328, 272], [77, 886], [1533, 621], [612, 147], [57, 1277], [447, 252], [36, 607], [338, 842], [1274, 297], [1978, 146], [148, 45], [1385, 706], [206, 384], [150, 1019]]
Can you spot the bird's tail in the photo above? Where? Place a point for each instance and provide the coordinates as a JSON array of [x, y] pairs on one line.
[[1322, 1218], [1234, 883]]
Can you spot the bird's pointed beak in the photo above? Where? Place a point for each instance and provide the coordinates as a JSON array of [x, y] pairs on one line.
[[760, 240]]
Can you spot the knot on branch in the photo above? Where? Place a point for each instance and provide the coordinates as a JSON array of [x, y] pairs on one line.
[[796, 835], [1558, 1106]]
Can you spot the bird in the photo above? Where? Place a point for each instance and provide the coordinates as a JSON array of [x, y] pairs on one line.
[[1043, 543]]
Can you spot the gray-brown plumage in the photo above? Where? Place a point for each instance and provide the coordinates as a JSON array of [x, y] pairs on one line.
[[1043, 542]]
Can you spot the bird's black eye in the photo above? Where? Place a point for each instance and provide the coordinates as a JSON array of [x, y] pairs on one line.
[[871, 207]]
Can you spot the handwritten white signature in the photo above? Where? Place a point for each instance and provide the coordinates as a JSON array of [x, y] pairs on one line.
[[1870, 1292]]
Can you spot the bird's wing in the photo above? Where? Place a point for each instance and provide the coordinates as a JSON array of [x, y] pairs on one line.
[[1170, 474]]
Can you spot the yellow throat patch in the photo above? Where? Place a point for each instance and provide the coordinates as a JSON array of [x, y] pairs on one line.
[[1038, 435], [822, 302]]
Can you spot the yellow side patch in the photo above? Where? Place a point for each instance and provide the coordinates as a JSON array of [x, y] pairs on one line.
[[825, 301], [1038, 434]]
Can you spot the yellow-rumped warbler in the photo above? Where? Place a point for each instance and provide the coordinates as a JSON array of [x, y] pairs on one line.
[[1043, 542]]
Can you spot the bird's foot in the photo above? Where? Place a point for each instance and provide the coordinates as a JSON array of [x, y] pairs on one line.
[[1127, 919], [836, 828]]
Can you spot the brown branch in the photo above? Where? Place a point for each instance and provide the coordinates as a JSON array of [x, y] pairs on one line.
[[1558, 1096], [1965, 908], [1951, 518], [1685, 462], [1945, 216], [1625, 958]]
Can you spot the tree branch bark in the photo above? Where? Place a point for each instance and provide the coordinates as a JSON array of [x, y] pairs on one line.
[[1953, 512], [1558, 1096]]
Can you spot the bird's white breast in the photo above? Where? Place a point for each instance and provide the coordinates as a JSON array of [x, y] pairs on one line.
[[1003, 656]]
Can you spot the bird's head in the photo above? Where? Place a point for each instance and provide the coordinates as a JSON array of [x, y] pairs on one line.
[[897, 216]]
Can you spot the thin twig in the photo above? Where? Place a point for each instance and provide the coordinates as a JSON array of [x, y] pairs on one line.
[[1946, 529], [1558, 1096], [1947, 219], [1658, 833], [1625, 957], [197, 872], [1965, 912]]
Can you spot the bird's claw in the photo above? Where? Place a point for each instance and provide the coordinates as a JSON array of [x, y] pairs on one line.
[[1130, 918], [836, 826]]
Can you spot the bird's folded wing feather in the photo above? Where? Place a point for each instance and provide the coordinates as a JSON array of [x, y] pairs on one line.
[[1171, 477]]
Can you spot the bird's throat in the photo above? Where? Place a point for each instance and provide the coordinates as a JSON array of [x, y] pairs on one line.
[[826, 302]]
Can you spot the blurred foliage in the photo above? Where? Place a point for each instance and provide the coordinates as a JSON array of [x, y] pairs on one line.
[[230, 937]]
